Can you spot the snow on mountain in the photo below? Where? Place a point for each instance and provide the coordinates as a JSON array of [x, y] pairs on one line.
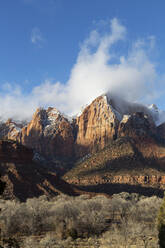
[[158, 115]]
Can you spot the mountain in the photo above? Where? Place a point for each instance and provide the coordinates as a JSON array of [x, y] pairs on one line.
[[10, 129], [49, 133], [24, 177], [106, 119], [112, 146], [96, 126]]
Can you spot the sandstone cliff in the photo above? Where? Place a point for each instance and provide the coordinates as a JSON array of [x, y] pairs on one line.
[[11, 129], [106, 119], [49, 133], [96, 126]]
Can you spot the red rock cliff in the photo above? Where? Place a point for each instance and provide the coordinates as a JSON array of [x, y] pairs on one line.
[[49, 133], [96, 126]]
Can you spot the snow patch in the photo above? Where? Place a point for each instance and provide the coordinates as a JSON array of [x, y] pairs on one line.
[[105, 99], [117, 114], [125, 118], [81, 111], [158, 115]]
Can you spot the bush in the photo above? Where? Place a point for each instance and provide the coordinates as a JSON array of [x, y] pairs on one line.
[[74, 217], [161, 224], [67, 216]]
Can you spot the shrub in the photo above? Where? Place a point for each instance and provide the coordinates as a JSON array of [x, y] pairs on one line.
[[80, 216], [161, 224]]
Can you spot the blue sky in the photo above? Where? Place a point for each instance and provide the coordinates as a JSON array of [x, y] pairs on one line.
[[50, 53]]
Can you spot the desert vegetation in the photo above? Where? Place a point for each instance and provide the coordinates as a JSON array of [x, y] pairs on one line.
[[161, 224], [63, 221]]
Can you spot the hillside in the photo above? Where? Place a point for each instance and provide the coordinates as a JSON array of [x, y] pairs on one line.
[[26, 178], [120, 166]]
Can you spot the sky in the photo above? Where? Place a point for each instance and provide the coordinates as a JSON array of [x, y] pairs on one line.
[[65, 53]]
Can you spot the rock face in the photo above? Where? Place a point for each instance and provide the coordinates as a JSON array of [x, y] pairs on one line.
[[49, 133], [136, 125], [11, 129], [24, 178], [142, 180], [161, 131], [113, 184], [105, 119], [12, 151], [96, 126]]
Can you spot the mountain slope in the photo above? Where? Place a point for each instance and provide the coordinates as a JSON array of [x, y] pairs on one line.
[[122, 166], [49, 133], [24, 178]]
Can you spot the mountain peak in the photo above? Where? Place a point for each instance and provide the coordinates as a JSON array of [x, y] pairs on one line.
[[106, 118]]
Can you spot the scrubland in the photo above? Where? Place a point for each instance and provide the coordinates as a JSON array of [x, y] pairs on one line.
[[125, 220]]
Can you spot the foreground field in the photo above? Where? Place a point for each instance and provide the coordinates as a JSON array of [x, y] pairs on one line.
[[126, 220]]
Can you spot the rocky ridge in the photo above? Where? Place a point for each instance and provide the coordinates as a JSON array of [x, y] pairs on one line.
[[105, 119], [11, 129], [49, 133]]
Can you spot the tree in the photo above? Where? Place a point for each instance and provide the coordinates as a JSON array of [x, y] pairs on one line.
[[8, 242], [161, 224]]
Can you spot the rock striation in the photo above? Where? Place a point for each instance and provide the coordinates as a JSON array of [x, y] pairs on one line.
[[96, 126], [106, 119], [143, 180]]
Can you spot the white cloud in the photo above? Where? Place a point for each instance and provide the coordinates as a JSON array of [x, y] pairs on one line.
[[36, 36], [132, 76]]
